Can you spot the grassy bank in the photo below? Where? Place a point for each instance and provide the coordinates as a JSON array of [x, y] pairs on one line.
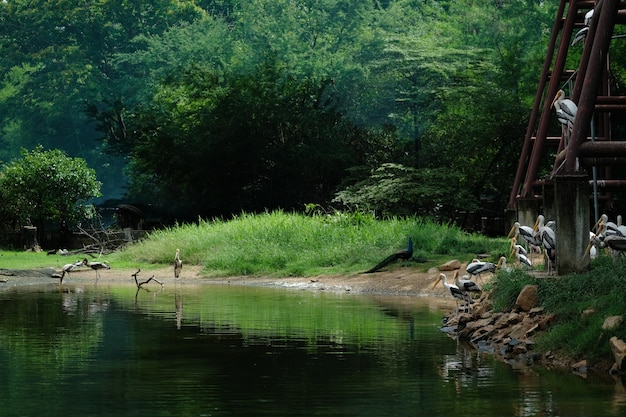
[[283, 244], [580, 302]]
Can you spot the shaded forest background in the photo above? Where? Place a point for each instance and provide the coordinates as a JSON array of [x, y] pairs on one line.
[[209, 108]]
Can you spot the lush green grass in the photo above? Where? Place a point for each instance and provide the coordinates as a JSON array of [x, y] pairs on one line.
[[575, 334], [285, 244]]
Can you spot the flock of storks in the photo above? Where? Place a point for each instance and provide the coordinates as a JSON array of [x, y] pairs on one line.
[[539, 239]]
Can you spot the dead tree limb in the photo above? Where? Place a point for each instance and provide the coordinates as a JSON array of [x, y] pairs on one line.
[[139, 284]]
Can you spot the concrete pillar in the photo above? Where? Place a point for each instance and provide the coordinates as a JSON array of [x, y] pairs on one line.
[[571, 198], [527, 211], [548, 210]]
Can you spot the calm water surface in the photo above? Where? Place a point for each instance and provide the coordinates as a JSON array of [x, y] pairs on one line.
[[245, 351]]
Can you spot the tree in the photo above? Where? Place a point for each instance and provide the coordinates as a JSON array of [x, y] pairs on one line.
[[46, 186]]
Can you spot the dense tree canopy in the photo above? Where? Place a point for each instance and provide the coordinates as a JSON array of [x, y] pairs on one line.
[[214, 106], [46, 186]]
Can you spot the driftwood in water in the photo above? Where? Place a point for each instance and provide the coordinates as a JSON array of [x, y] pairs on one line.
[[139, 284]]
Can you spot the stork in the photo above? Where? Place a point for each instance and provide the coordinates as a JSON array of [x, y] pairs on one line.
[[96, 266], [548, 240], [477, 268], [465, 283], [566, 111], [66, 269], [582, 34], [527, 233], [616, 243], [608, 228], [454, 291], [520, 254], [178, 264]]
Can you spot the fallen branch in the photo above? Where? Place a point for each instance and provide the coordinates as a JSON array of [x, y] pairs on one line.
[[139, 284]]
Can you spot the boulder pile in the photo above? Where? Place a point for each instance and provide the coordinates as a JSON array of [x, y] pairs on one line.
[[509, 335]]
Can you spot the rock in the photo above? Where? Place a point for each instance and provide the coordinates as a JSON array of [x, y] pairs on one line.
[[535, 311], [612, 322], [580, 367], [508, 319], [527, 298], [618, 347], [520, 330], [545, 321], [588, 312], [450, 265]]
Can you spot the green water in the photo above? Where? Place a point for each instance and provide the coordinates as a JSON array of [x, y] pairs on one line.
[[244, 351]]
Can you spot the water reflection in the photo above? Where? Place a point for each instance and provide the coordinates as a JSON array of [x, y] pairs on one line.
[[256, 351]]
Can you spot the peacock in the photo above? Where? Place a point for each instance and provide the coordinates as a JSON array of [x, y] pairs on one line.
[[401, 254]]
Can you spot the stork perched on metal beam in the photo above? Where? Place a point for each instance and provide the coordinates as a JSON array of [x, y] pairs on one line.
[[566, 111]]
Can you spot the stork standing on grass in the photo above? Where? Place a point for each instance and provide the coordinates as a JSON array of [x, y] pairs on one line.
[[548, 240], [528, 235], [520, 254]]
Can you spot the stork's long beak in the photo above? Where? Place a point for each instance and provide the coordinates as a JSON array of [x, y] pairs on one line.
[[437, 282], [456, 273], [536, 226], [597, 225], [558, 94], [511, 232], [499, 264], [513, 242], [589, 247]]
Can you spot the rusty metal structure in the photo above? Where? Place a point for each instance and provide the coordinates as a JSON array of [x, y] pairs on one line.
[[591, 146]]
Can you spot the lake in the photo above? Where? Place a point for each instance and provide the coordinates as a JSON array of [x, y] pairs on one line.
[[219, 350]]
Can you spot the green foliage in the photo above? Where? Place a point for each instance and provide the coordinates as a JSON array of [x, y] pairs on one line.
[[304, 99], [46, 186], [394, 189], [213, 145], [286, 244]]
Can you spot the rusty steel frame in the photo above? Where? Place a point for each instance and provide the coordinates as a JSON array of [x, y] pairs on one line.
[[591, 93]]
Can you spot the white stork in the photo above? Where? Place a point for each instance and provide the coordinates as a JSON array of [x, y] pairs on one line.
[[528, 235], [566, 111], [582, 34], [66, 269], [621, 229], [454, 291], [520, 254], [477, 268], [178, 264], [616, 243], [548, 240], [465, 283], [96, 266]]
